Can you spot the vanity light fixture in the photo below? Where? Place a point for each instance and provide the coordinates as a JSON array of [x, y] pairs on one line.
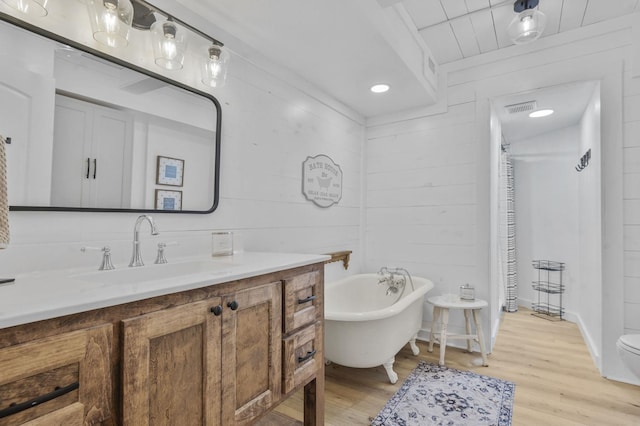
[[541, 113], [169, 44], [214, 66], [111, 21], [29, 7], [529, 24], [379, 88]]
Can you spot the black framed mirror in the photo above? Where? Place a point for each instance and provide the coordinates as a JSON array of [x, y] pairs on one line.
[[90, 131]]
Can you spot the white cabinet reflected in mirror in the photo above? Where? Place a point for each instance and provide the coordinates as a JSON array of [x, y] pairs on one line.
[[86, 132]]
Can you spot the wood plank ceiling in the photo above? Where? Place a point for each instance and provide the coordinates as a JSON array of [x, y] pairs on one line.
[[457, 29]]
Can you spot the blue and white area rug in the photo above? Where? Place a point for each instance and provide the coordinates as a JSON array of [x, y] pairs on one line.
[[434, 395]]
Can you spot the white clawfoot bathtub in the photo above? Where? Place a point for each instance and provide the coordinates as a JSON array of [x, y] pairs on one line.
[[364, 327]]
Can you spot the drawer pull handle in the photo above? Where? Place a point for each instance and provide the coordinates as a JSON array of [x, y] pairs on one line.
[[307, 356], [233, 305], [306, 299], [216, 310], [16, 408]]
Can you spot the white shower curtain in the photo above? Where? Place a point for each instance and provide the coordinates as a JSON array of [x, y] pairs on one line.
[[511, 293]]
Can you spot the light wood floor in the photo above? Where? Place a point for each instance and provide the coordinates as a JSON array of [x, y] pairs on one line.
[[556, 381]]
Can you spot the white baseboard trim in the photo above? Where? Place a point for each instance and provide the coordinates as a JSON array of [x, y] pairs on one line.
[[626, 379], [593, 350], [494, 331]]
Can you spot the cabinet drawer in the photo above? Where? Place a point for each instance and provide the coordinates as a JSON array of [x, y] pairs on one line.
[[54, 377], [302, 353], [303, 301]]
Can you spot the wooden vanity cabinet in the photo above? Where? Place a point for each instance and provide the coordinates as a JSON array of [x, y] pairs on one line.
[[207, 356]]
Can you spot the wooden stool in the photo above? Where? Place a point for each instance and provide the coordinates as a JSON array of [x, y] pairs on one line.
[[441, 306]]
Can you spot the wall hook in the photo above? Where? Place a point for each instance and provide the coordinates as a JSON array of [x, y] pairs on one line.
[[584, 161]]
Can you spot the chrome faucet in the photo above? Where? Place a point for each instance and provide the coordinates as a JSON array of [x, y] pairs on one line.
[[395, 278], [136, 258]]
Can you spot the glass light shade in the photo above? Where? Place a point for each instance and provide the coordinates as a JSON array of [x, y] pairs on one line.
[[527, 26], [214, 66], [111, 21], [29, 7], [169, 44]]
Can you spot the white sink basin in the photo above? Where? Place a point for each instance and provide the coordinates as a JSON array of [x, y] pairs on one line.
[[154, 272]]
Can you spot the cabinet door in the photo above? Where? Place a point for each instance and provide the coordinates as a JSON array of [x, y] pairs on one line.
[[111, 158], [171, 366], [251, 353], [71, 153], [91, 156], [64, 379]]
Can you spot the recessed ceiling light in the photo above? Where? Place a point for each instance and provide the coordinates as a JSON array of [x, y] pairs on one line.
[[379, 88], [541, 113]]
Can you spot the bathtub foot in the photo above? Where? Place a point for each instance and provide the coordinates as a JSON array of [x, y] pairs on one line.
[[327, 361], [414, 348], [388, 366]]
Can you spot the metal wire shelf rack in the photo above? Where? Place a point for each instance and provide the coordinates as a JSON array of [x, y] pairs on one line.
[[550, 289]]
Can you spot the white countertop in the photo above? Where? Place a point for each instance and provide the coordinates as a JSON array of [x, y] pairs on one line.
[[49, 294]]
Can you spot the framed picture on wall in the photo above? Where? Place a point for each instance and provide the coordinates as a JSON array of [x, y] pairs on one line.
[[168, 200], [169, 171]]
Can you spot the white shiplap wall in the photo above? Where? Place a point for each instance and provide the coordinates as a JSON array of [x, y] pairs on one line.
[[631, 203], [428, 178], [269, 127], [421, 195], [421, 198]]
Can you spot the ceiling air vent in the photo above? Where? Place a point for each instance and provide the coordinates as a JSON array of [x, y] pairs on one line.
[[521, 107]]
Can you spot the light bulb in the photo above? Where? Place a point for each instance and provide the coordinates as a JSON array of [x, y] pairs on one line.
[[541, 113], [110, 20], [379, 88], [526, 24], [168, 44]]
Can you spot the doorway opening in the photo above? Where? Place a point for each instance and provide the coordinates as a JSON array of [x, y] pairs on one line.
[[548, 202]]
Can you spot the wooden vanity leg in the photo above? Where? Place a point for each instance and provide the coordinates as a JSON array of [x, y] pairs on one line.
[[314, 400]]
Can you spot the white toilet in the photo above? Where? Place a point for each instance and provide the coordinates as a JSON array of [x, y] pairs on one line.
[[629, 350]]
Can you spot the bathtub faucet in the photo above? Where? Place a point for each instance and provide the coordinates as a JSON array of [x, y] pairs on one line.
[[395, 278]]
